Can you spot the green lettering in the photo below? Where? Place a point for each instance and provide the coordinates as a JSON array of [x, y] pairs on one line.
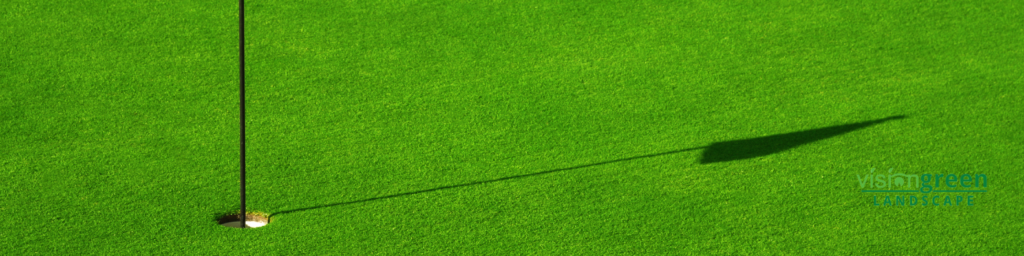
[[965, 181], [864, 181], [911, 179], [925, 188]]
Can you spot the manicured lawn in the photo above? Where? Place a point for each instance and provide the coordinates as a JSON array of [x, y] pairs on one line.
[[510, 127]]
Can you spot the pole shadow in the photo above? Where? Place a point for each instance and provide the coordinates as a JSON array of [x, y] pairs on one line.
[[489, 181], [714, 153]]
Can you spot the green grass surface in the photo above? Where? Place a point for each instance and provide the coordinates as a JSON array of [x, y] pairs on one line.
[[507, 127]]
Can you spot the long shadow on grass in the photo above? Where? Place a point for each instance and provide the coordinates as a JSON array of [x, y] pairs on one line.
[[716, 152], [750, 148], [489, 181]]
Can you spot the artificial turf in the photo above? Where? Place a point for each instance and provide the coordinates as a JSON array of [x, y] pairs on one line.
[[508, 127]]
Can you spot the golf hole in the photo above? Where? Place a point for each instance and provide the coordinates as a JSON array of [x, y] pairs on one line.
[[251, 221]]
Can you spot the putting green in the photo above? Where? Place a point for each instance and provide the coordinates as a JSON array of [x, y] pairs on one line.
[[513, 127]]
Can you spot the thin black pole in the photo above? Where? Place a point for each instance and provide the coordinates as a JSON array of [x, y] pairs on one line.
[[241, 96]]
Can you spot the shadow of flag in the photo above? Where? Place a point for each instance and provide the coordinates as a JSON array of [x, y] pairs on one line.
[[716, 152], [749, 148]]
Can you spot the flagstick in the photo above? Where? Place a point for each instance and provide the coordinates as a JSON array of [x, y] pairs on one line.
[[241, 96]]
